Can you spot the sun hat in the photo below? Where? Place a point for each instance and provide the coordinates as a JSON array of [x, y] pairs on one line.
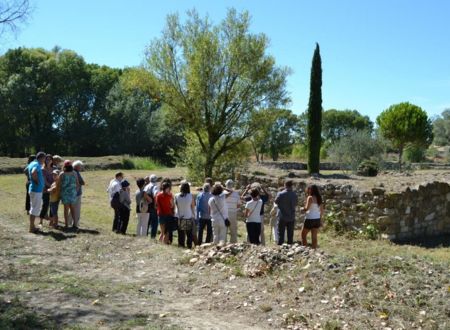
[[125, 184], [67, 162]]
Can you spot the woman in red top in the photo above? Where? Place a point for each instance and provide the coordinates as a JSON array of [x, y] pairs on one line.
[[165, 209]]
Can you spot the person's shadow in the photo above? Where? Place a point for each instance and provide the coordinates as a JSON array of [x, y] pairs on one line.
[[57, 236]]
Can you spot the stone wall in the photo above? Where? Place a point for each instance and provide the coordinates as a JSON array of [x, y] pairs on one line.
[[424, 211]]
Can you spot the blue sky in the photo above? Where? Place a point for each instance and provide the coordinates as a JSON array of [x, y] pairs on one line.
[[374, 53]]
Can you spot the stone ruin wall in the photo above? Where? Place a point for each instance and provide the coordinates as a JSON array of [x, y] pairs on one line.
[[410, 214]]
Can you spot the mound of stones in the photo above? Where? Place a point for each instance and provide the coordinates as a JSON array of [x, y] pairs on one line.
[[252, 260]]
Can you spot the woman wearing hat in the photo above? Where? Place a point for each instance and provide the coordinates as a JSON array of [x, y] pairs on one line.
[[68, 190]]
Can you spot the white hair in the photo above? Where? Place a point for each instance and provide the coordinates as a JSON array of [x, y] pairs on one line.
[[77, 163]]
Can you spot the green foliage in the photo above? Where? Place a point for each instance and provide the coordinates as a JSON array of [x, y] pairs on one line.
[[339, 123], [274, 132], [55, 101], [140, 163], [405, 124], [371, 232], [441, 129], [351, 150], [315, 113], [213, 78], [415, 154], [300, 151], [368, 168]]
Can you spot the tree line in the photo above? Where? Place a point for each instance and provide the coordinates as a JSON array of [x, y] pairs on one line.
[[208, 96]]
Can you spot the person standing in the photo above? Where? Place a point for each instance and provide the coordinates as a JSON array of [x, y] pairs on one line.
[[314, 212], [47, 172], [141, 209], [253, 217], [36, 188], [151, 190], [54, 199], [233, 200], [113, 191], [75, 218], [287, 202], [219, 214], [165, 210], [27, 184], [125, 207], [185, 209], [265, 198], [69, 185], [203, 216]]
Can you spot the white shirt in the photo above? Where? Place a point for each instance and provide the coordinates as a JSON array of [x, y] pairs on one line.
[[114, 186], [151, 189], [184, 206], [313, 211], [218, 208], [233, 200], [254, 208]]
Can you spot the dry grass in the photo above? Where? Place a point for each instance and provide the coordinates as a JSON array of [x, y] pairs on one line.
[[88, 281]]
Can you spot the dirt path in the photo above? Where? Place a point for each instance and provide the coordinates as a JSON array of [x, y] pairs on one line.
[[106, 281]]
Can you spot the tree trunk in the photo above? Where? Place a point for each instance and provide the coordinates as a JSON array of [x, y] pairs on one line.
[[400, 156]]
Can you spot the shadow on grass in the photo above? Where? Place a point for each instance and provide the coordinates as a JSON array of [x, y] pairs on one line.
[[15, 315], [57, 236], [88, 231], [429, 242]]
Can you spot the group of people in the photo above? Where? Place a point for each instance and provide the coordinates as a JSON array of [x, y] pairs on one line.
[[215, 209], [50, 180]]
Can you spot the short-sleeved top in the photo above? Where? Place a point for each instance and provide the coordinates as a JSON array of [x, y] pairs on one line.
[[202, 205], [68, 188], [39, 186], [48, 174], [113, 188], [151, 190], [54, 194], [233, 200], [164, 204], [287, 202], [139, 195], [184, 206], [218, 207], [255, 210]]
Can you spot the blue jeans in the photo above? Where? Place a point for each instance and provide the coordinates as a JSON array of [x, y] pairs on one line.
[[152, 223]]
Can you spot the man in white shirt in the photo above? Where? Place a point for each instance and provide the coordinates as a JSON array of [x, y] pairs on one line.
[[113, 190]]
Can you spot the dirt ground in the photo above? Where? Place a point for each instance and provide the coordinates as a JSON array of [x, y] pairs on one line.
[[95, 279]]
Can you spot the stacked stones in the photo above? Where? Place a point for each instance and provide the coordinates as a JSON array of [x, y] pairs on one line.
[[413, 213]]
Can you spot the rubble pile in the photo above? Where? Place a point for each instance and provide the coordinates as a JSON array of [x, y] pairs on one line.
[[252, 260]]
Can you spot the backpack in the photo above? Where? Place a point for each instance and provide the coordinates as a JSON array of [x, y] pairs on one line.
[[115, 201]]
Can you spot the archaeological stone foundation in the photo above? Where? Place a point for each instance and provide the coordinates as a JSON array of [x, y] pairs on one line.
[[412, 213]]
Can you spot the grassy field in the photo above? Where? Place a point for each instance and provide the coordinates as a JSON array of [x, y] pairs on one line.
[[97, 279], [15, 165]]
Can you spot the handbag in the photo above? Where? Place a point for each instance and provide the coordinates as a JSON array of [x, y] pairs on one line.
[[227, 222], [183, 223]]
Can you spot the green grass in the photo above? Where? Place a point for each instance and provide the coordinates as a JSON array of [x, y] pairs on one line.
[[140, 163]]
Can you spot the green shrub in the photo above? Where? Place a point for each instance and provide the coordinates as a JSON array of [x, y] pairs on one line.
[[140, 163], [415, 154], [368, 168], [371, 232]]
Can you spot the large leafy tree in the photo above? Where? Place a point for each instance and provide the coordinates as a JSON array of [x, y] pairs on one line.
[[214, 77], [405, 124], [137, 122], [315, 113], [441, 129], [275, 134], [340, 123]]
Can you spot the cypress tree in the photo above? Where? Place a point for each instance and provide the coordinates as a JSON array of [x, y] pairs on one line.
[[315, 113]]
